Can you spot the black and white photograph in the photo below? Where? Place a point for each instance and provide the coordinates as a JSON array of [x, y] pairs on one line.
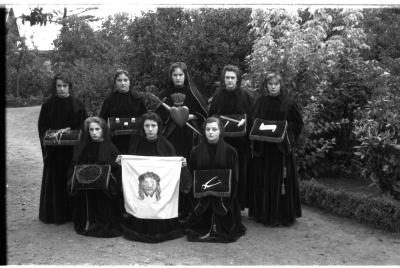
[[201, 133]]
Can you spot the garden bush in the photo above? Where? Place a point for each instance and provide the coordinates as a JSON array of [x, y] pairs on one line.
[[377, 129], [380, 212]]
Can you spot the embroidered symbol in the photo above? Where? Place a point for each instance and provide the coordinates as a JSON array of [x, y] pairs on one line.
[[149, 185], [267, 127], [207, 184]]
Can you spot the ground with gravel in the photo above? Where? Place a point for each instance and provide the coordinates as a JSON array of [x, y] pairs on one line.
[[317, 238]]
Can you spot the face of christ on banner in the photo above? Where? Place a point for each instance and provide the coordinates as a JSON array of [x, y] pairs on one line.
[[149, 184]]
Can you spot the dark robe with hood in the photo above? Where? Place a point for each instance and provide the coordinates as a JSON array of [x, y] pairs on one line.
[[151, 230], [276, 196], [183, 138], [127, 104], [96, 212], [237, 101], [57, 113], [216, 219]]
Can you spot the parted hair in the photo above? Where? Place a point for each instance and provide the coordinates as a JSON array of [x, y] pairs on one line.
[[65, 78], [150, 116], [119, 72], [183, 67], [231, 68], [102, 123], [271, 76], [217, 120]]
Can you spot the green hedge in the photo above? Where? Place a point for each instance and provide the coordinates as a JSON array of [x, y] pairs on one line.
[[380, 212]]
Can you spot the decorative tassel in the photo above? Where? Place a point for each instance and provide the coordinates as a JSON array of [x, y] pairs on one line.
[[283, 180]]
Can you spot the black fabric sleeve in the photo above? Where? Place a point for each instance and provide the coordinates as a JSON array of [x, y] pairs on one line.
[[295, 121], [43, 125], [104, 112]]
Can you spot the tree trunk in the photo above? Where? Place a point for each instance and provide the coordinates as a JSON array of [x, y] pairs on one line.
[[17, 88], [21, 59]]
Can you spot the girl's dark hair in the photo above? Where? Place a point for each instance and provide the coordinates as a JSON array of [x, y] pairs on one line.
[[231, 68], [65, 78], [271, 76], [119, 72], [214, 119], [150, 116], [183, 67]]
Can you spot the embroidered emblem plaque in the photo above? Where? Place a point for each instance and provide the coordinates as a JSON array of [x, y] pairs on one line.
[[61, 137], [213, 182], [268, 131], [234, 125], [123, 125], [94, 177]]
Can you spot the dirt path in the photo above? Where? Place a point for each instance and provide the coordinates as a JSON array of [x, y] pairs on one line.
[[316, 239]]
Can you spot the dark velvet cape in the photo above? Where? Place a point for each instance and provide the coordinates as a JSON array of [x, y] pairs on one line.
[[237, 102], [270, 206], [57, 113], [151, 230], [118, 104], [216, 219], [96, 212], [182, 138]]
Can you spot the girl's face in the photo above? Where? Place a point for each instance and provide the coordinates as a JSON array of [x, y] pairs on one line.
[[178, 77], [212, 132], [122, 83], [150, 129], [95, 132], [230, 80], [274, 87], [62, 89]]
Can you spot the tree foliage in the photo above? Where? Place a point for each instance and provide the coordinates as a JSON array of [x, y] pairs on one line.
[[206, 39], [318, 54]]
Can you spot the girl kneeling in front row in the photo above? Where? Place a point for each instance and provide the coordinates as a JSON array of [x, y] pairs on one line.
[[96, 212], [217, 219]]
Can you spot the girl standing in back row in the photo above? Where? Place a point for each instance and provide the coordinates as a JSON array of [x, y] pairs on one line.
[[61, 111], [181, 91], [275, 185], [122, 102]]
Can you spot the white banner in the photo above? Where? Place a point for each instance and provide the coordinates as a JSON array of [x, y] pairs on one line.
[[151, 186]]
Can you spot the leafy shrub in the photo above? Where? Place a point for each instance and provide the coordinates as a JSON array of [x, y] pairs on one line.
[[12, 101], [377, 129], [380, 212]]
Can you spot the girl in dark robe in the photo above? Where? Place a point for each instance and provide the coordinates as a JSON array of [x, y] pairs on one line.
[[96, 212], [215, 219], [122, 102], [230, 99], [61, 111], [181, 91], [276, 189], [148, 142]]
